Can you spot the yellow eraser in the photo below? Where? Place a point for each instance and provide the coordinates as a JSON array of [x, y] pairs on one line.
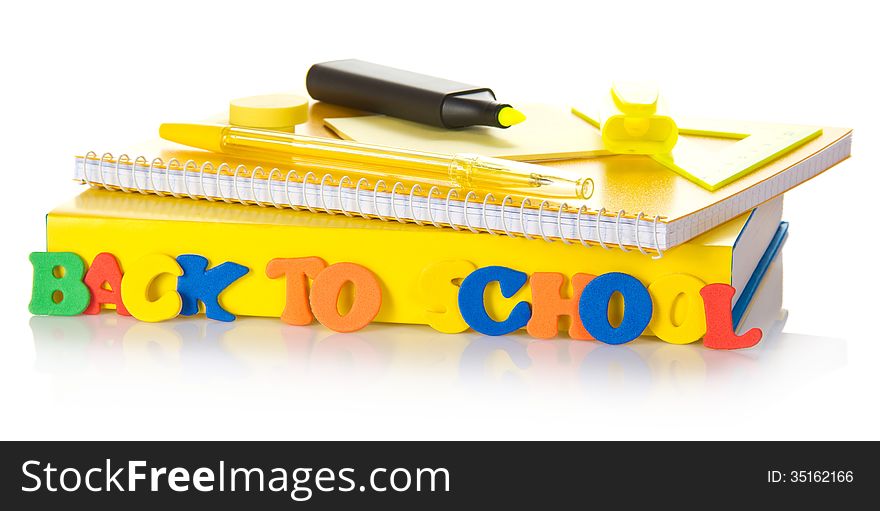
[[271, 111], [634, 121]]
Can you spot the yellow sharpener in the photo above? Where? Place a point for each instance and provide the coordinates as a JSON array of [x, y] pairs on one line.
[[278, 112], [634, 121]]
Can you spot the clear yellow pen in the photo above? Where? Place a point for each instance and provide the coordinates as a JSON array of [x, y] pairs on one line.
[[354, 159]]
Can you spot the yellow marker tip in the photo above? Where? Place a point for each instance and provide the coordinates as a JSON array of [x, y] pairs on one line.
[[508, 116]]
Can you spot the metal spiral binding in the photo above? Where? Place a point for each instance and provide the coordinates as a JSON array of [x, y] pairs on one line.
[[452, 191], [503, 217], [323, 199], [172, 170], [486, 200], [412, 211], [357, 196], [375, 198], [185, 184], [617, 230], [522, 218], [224, 168], [562, 207], [578, 223], [430, 208], [599, 231], [171, 162], [393, 204], [541, 221], [467, 221]]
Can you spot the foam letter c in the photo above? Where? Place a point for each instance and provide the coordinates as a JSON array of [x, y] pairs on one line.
[[473, 308], [136, 283]]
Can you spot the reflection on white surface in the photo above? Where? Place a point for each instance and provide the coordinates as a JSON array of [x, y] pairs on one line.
[[253, 349], [398, 380]]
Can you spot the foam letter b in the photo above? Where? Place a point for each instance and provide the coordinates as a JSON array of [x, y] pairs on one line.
[[61, 294]]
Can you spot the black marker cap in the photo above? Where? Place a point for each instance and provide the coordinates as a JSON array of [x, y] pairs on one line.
[[407, 95]]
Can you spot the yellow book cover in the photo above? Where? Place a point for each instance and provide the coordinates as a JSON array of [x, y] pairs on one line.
[[401, 255]]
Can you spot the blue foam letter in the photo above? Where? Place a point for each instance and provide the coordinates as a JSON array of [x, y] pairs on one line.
[[200, 284], [637, 308], [473, 309]]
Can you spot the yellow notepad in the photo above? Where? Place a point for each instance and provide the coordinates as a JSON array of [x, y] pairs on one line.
[[549, 133]]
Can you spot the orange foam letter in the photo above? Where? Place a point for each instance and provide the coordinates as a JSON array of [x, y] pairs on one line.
[[325, 297], [298, 270], [548, 305]]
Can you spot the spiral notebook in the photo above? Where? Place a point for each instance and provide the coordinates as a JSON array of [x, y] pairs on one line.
[[637, 204]]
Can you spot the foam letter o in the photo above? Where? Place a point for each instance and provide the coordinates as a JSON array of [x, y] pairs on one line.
[[593, 308], [664, 292], [324, 297]]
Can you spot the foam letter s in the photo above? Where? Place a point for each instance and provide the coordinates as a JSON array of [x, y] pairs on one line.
[[136, 288], [473, 308], [440, 295]]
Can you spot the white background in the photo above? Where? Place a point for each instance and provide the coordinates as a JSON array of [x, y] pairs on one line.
[[77, 76]]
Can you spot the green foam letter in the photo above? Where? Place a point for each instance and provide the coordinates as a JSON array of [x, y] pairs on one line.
[[58, 288]]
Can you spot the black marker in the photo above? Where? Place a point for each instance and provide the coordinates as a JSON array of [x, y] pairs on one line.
[[413, 96]]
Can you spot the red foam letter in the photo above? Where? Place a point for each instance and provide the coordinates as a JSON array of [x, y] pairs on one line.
[[719, 322], [105, 268]]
